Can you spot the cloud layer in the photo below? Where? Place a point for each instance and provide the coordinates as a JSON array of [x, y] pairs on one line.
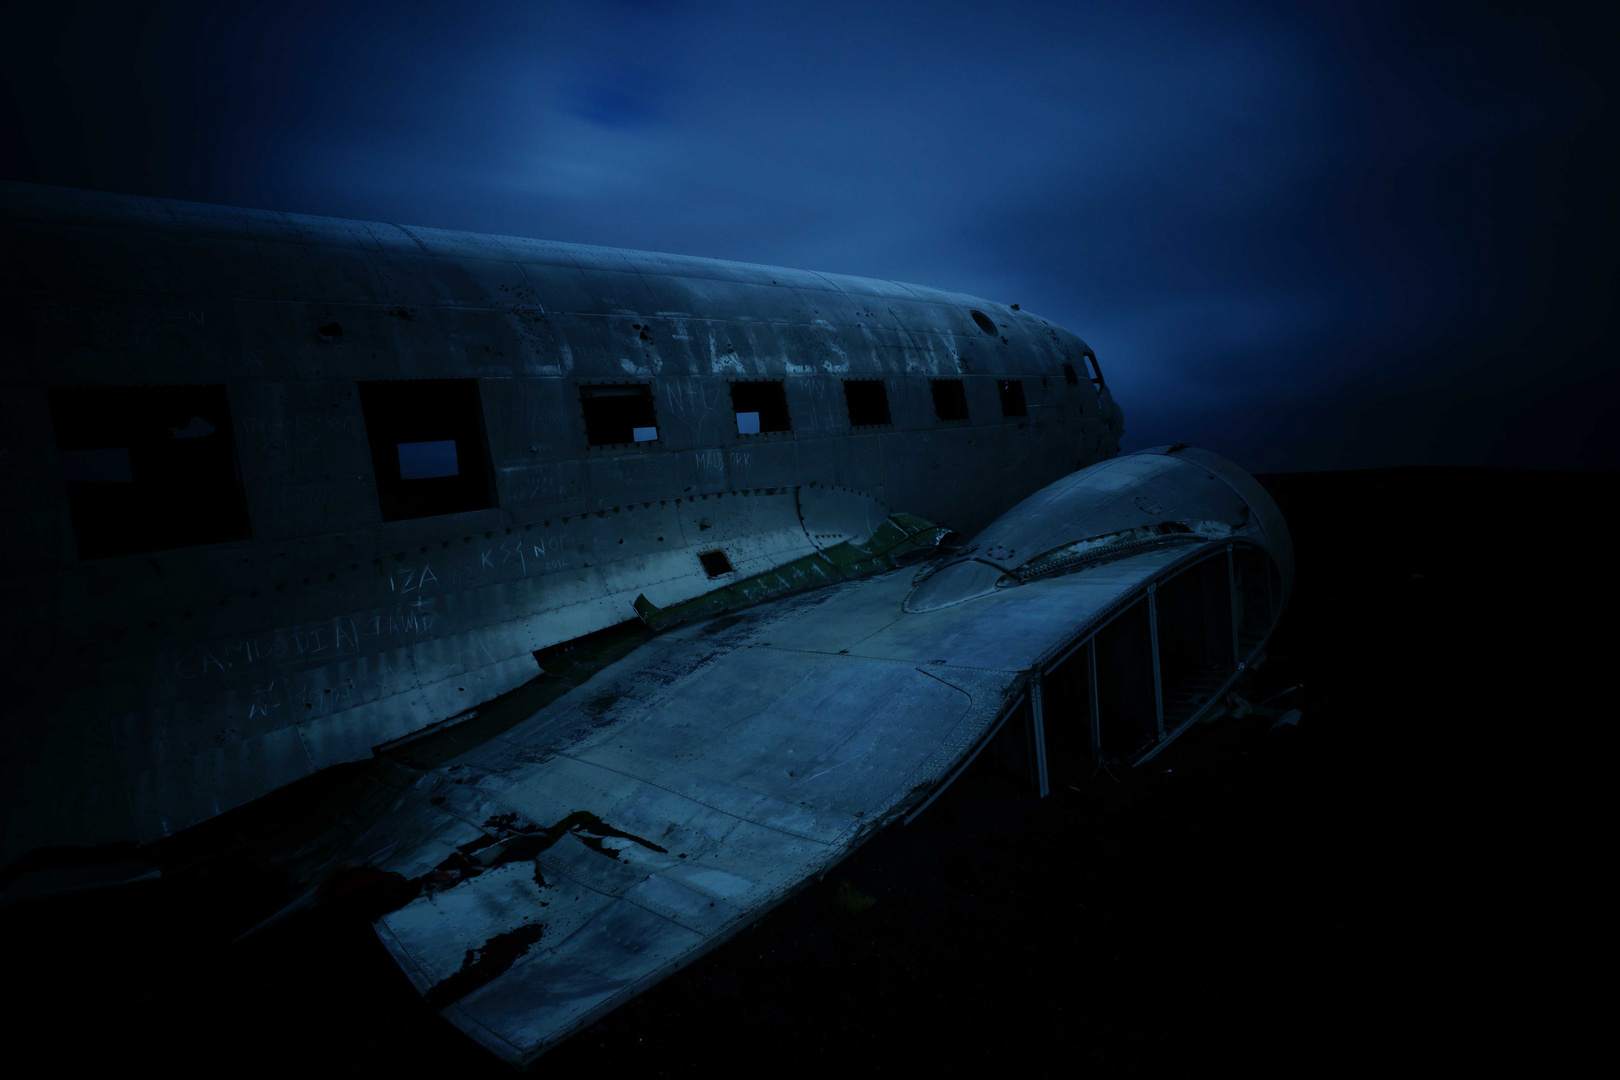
[[1308, 236]]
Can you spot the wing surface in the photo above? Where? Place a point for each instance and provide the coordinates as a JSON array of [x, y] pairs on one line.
[[652, 812]]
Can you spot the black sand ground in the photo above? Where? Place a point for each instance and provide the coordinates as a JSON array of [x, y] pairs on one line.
[[1296, 901]]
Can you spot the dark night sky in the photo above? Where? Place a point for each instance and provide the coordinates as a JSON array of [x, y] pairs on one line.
[[1303, 235]]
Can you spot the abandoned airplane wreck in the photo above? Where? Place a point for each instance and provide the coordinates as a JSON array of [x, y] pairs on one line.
[[290, 492]]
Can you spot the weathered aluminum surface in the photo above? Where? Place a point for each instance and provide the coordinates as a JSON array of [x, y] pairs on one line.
[[149, 691], [726, 763], [1126, 498]]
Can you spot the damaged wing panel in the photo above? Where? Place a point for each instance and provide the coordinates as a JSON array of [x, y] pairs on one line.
[[760, 767], [652, 811]]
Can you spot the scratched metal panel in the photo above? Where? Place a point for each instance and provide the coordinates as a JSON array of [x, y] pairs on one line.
[[306, 431], [869, 287], [530, 421], [762, 462], [729, 519], [595, 351], [545, 488], [452, 531], [498, 282], [718, 270], [555, 288], [353, 734], [448, 245], [344, 272], [1002, 629], [694, 412], [615, 285], [116, 340], [202, 785], [613, 479], [313, 231], [725, 301], [820, 757]]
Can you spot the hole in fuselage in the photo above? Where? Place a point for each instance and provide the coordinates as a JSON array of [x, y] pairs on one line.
[[715, 563]]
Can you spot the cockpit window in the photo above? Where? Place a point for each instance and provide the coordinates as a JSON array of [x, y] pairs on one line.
[[1096, 372]]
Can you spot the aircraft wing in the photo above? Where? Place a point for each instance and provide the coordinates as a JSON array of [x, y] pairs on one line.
[[657, 809]]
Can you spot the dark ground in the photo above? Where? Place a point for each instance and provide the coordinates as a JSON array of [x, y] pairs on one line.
[[1299, 900]]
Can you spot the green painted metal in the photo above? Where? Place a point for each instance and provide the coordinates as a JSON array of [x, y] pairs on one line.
[[900, 536]]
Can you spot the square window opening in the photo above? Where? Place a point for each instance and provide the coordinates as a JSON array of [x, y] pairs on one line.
[[950, 399], [1069, 375], [760, 406], [715, 563], [148, 468], [868, 401], [618, 414], [428, 447], [1012, 397]]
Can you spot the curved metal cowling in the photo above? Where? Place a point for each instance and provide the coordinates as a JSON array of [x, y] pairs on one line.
[[1148, 498], [665, 804]]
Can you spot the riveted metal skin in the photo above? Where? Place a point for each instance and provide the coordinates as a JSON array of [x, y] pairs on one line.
[[732, 759], [150, 690]]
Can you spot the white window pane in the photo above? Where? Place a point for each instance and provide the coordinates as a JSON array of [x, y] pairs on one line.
[[426, 460], [644, 434], [748, 423]]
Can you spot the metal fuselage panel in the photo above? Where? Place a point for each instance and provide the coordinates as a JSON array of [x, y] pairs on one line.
[[150, 690]]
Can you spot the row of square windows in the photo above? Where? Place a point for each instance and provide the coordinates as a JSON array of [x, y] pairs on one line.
[[153, 468], [625, 413]]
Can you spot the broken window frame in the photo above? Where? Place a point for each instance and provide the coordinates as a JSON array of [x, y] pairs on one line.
[[407, 412], [172, 485], [883, 392], [959, 399], [1097, 382], [748, 386], [622, 389]]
